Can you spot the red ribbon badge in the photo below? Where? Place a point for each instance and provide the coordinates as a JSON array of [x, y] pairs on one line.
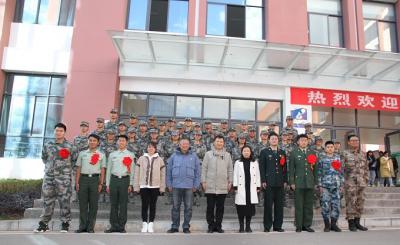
[[127, 161], [64, 153], [312, 160], [95, 158], [336, 165], [282, 161]]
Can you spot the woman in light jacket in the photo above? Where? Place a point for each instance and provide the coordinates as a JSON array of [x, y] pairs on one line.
[[246, 182], [149, 181], [386, 169]]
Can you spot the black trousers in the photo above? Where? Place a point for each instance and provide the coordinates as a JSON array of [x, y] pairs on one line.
[[215, 210], [149, 200], [274, 197]]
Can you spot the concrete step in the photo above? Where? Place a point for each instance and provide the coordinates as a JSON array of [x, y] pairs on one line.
[[197, 225], [382, 189], [377, 195]]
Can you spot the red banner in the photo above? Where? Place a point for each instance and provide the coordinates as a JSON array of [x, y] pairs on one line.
[[345, 99]]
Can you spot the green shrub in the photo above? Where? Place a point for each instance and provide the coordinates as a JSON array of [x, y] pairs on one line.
[[16, 186]]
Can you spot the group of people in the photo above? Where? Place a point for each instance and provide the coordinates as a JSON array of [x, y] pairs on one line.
[[383, 170], [152, 158]]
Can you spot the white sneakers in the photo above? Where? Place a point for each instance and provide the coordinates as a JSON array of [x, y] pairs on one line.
[[148, 227], [144, 227]]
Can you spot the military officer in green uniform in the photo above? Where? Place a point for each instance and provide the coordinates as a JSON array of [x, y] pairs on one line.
[[119, 182], [303, 179], [273, 178], [90, 171]]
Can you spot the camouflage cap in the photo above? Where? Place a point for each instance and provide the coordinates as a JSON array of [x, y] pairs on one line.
[[84, 123], [232, 130], [131, 130], [114, 111], [252, 129], [272, 123], [289, 118], [142, 123], [307, 125], [264, 132], [171, 120], [179, 126], [224, 122], [162, 123], [110, 131], [242, 135], [100, 119], [284, 132], [198, 132], [132, 116], [174, 133], [153, 131], [152, 118], [196, 124], [188, 119], [244, 122], [121, 123], [317, 138], [207, 122]]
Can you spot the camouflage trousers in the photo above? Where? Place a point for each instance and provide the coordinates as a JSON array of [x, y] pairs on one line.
[[330, 203], [56, 188], [355, 199]]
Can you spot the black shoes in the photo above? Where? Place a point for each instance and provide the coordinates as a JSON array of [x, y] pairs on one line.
[[172, 230], [43, 227], [64, 227], [90, 231], [352, 225], [122, 231], [80, 231], [219, 230], [111, 230], [334, 226], [186, 230], [266, 230], [308, 229], [298, 229], [359, 226], [279, 230], [327, 227]]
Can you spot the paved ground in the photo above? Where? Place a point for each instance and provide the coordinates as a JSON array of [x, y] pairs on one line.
[[386, 237]]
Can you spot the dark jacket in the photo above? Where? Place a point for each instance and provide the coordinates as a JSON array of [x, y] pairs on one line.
[[271, 171]]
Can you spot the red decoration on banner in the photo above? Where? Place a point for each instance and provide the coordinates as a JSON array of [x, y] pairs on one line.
[[64, 153], [345, 99]]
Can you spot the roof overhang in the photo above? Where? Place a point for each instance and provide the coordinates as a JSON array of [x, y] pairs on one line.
[[235, 53]]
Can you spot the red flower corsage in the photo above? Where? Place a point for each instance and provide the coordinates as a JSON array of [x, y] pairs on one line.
[[64, 153], [336, 165], [127, 161], [95, 158], [282, 161], [312, 160]]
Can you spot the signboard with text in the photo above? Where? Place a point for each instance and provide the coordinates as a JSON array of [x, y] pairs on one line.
[[344, 99]]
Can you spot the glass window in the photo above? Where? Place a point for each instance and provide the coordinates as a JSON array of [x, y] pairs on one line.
[[158, 15], [322, 115], [254, 23], [324, 133], [161, 105], [216, 18], [137, 17], [136, 103], [188, 106], [367, 118], [373, 139], [390, 119], [325, 22], [268, 111], [178, 16], [243, 109], [30, 111], [236, 18], [216, 108], [380, 26], [344, 117], [48, 12], [235, 2]]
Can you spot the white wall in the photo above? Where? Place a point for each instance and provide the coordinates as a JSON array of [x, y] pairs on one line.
[[21, 168], [41, 49]]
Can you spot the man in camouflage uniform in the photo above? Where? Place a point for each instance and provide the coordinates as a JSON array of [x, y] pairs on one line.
[[100, 129], [308, 128], [330, 179], [133, 145], [188, 128], [80, 143], [170, 147], [208, 134], [289, 127], [162, 132], [244, 127], [152, 122], [171, 125], [271, 127], [58, 156], [356, 173], [288, 146], [262, 144], [107, 147], [311, 140], [237, 151], [318, 146], [112, 123], [122, 128], [231, 141], [181, 131], [133, 121], [223, 128], [142, 134], [251, 140], [200, 149]]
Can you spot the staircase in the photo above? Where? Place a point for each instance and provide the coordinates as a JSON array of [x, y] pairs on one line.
[[382, 209]]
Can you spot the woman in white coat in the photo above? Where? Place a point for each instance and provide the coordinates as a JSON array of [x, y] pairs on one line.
[[246, 182]]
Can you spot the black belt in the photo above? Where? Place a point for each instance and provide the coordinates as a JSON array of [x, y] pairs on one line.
[[90, 175], [120, 177]]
